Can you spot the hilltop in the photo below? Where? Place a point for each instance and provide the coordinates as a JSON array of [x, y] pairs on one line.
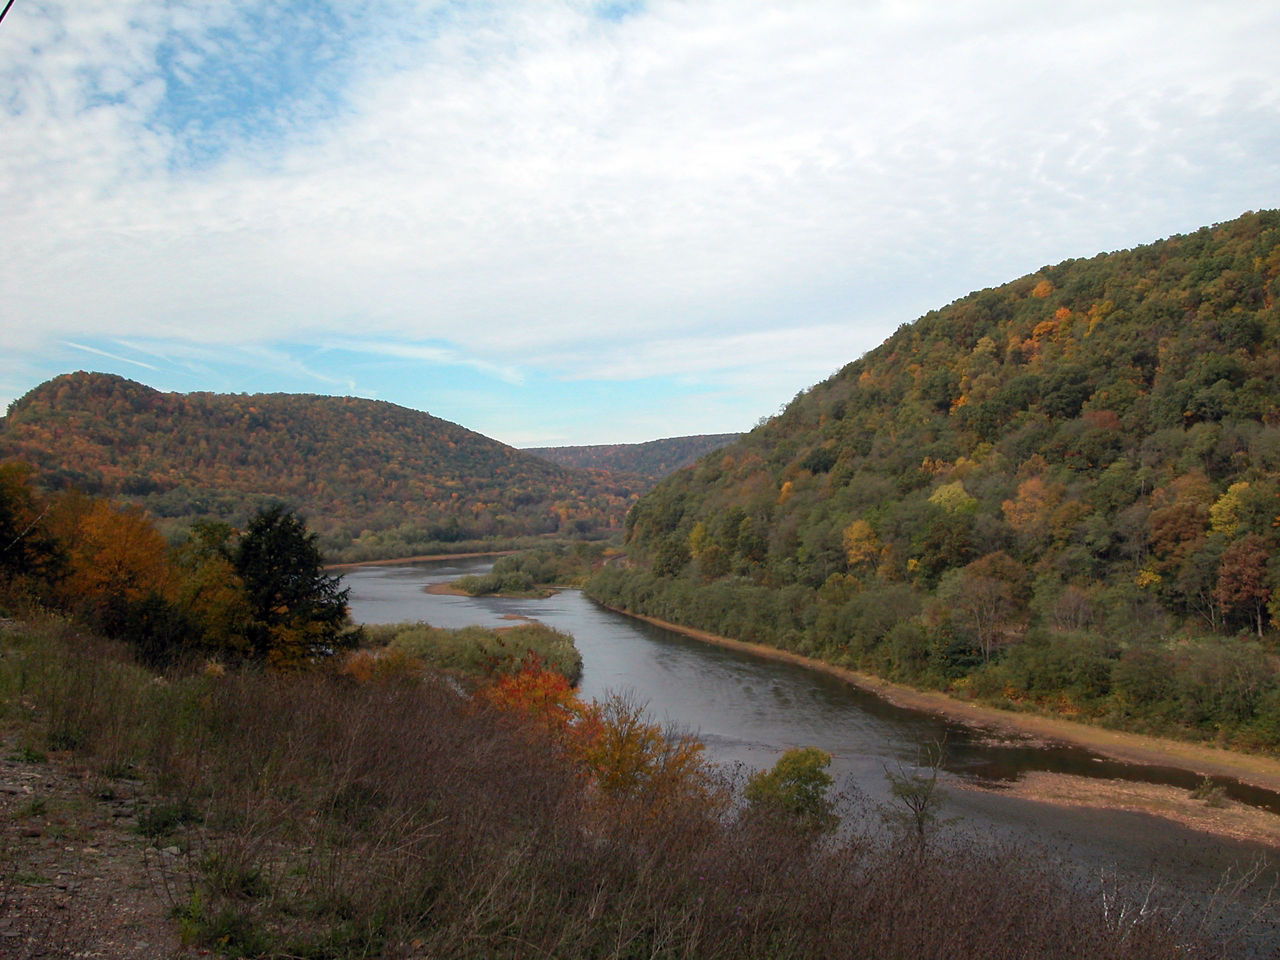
[[1038, 493], [651, 460], [374, 478]]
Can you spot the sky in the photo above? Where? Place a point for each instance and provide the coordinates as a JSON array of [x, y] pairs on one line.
[[581, 221]]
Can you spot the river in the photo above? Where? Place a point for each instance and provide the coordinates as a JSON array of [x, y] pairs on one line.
[[748, 710]]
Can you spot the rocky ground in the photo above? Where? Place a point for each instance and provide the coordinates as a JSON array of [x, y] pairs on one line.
[[77, 879]]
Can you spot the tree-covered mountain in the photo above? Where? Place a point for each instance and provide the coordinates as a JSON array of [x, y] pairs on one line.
[[652, 460], [1039, 491], [373, 478]]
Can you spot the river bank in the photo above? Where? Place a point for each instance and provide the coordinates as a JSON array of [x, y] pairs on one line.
[[705, 697], [1212, 814], [1200, 758], [1226, 818], [421, 558], [447, 589]]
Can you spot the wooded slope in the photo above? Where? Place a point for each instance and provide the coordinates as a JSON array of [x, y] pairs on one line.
[[362, 470], [1090, 450]]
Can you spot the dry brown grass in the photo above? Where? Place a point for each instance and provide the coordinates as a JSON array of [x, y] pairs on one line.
[[320, 818]]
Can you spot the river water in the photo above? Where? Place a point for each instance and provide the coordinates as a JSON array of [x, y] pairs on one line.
[[747, 710]]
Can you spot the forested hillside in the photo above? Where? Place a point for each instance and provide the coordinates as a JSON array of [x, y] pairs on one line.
[[1038, 494], [652, 460], [374, 479]]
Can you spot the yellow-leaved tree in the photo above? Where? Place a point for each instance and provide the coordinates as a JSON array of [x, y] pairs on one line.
[[861, 545], [634, 760]]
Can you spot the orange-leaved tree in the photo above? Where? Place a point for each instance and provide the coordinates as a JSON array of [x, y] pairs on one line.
[[544, 699], [627, 759], [1244, 584], [28, 550], [388, 666], [118, 560], [120, 577]]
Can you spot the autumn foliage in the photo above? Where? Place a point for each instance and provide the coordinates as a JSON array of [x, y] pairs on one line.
[[546, 701], [1020, 495], [117, 560], [258, 595], [375, 667], [626, 758], [376, 479]]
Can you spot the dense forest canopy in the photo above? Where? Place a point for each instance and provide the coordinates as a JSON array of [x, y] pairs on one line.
[[389, 479], [1087, 456]]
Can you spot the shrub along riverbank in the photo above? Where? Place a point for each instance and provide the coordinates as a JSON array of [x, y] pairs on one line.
[[1217, 689], [480, 652], [322, 815], [531, 573]]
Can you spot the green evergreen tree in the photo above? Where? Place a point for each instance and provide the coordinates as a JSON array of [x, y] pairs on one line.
[[298, 612]]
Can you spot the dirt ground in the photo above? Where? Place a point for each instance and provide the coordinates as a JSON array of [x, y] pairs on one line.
[[76, 878]]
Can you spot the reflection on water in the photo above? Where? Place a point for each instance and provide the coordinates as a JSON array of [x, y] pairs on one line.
[[747, 710]]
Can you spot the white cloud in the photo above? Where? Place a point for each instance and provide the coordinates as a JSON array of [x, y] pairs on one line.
[[108, 355], [698, 187], [441, 356], [766, 360]]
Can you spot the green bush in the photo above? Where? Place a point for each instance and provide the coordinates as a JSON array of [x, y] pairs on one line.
[[796, 787], [1078, 665], [478, 652]]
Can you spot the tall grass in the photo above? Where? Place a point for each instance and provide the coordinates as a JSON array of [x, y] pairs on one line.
[[326, 819]]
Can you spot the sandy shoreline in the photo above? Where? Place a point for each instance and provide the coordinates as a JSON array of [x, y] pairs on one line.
[[446, 589], [1118, 745], [1222, 817], [1228, 818]]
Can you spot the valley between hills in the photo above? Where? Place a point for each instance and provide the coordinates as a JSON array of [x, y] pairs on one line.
[[1052, 505]]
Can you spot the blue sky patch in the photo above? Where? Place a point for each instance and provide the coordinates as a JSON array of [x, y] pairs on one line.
[[263, 77], [618, 10], [451, 387]]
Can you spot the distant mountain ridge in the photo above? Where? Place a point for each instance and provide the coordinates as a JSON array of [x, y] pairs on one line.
[[372, 477], [653, 459]]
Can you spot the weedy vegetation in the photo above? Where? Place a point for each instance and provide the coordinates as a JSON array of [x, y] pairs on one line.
[[396, 815]]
